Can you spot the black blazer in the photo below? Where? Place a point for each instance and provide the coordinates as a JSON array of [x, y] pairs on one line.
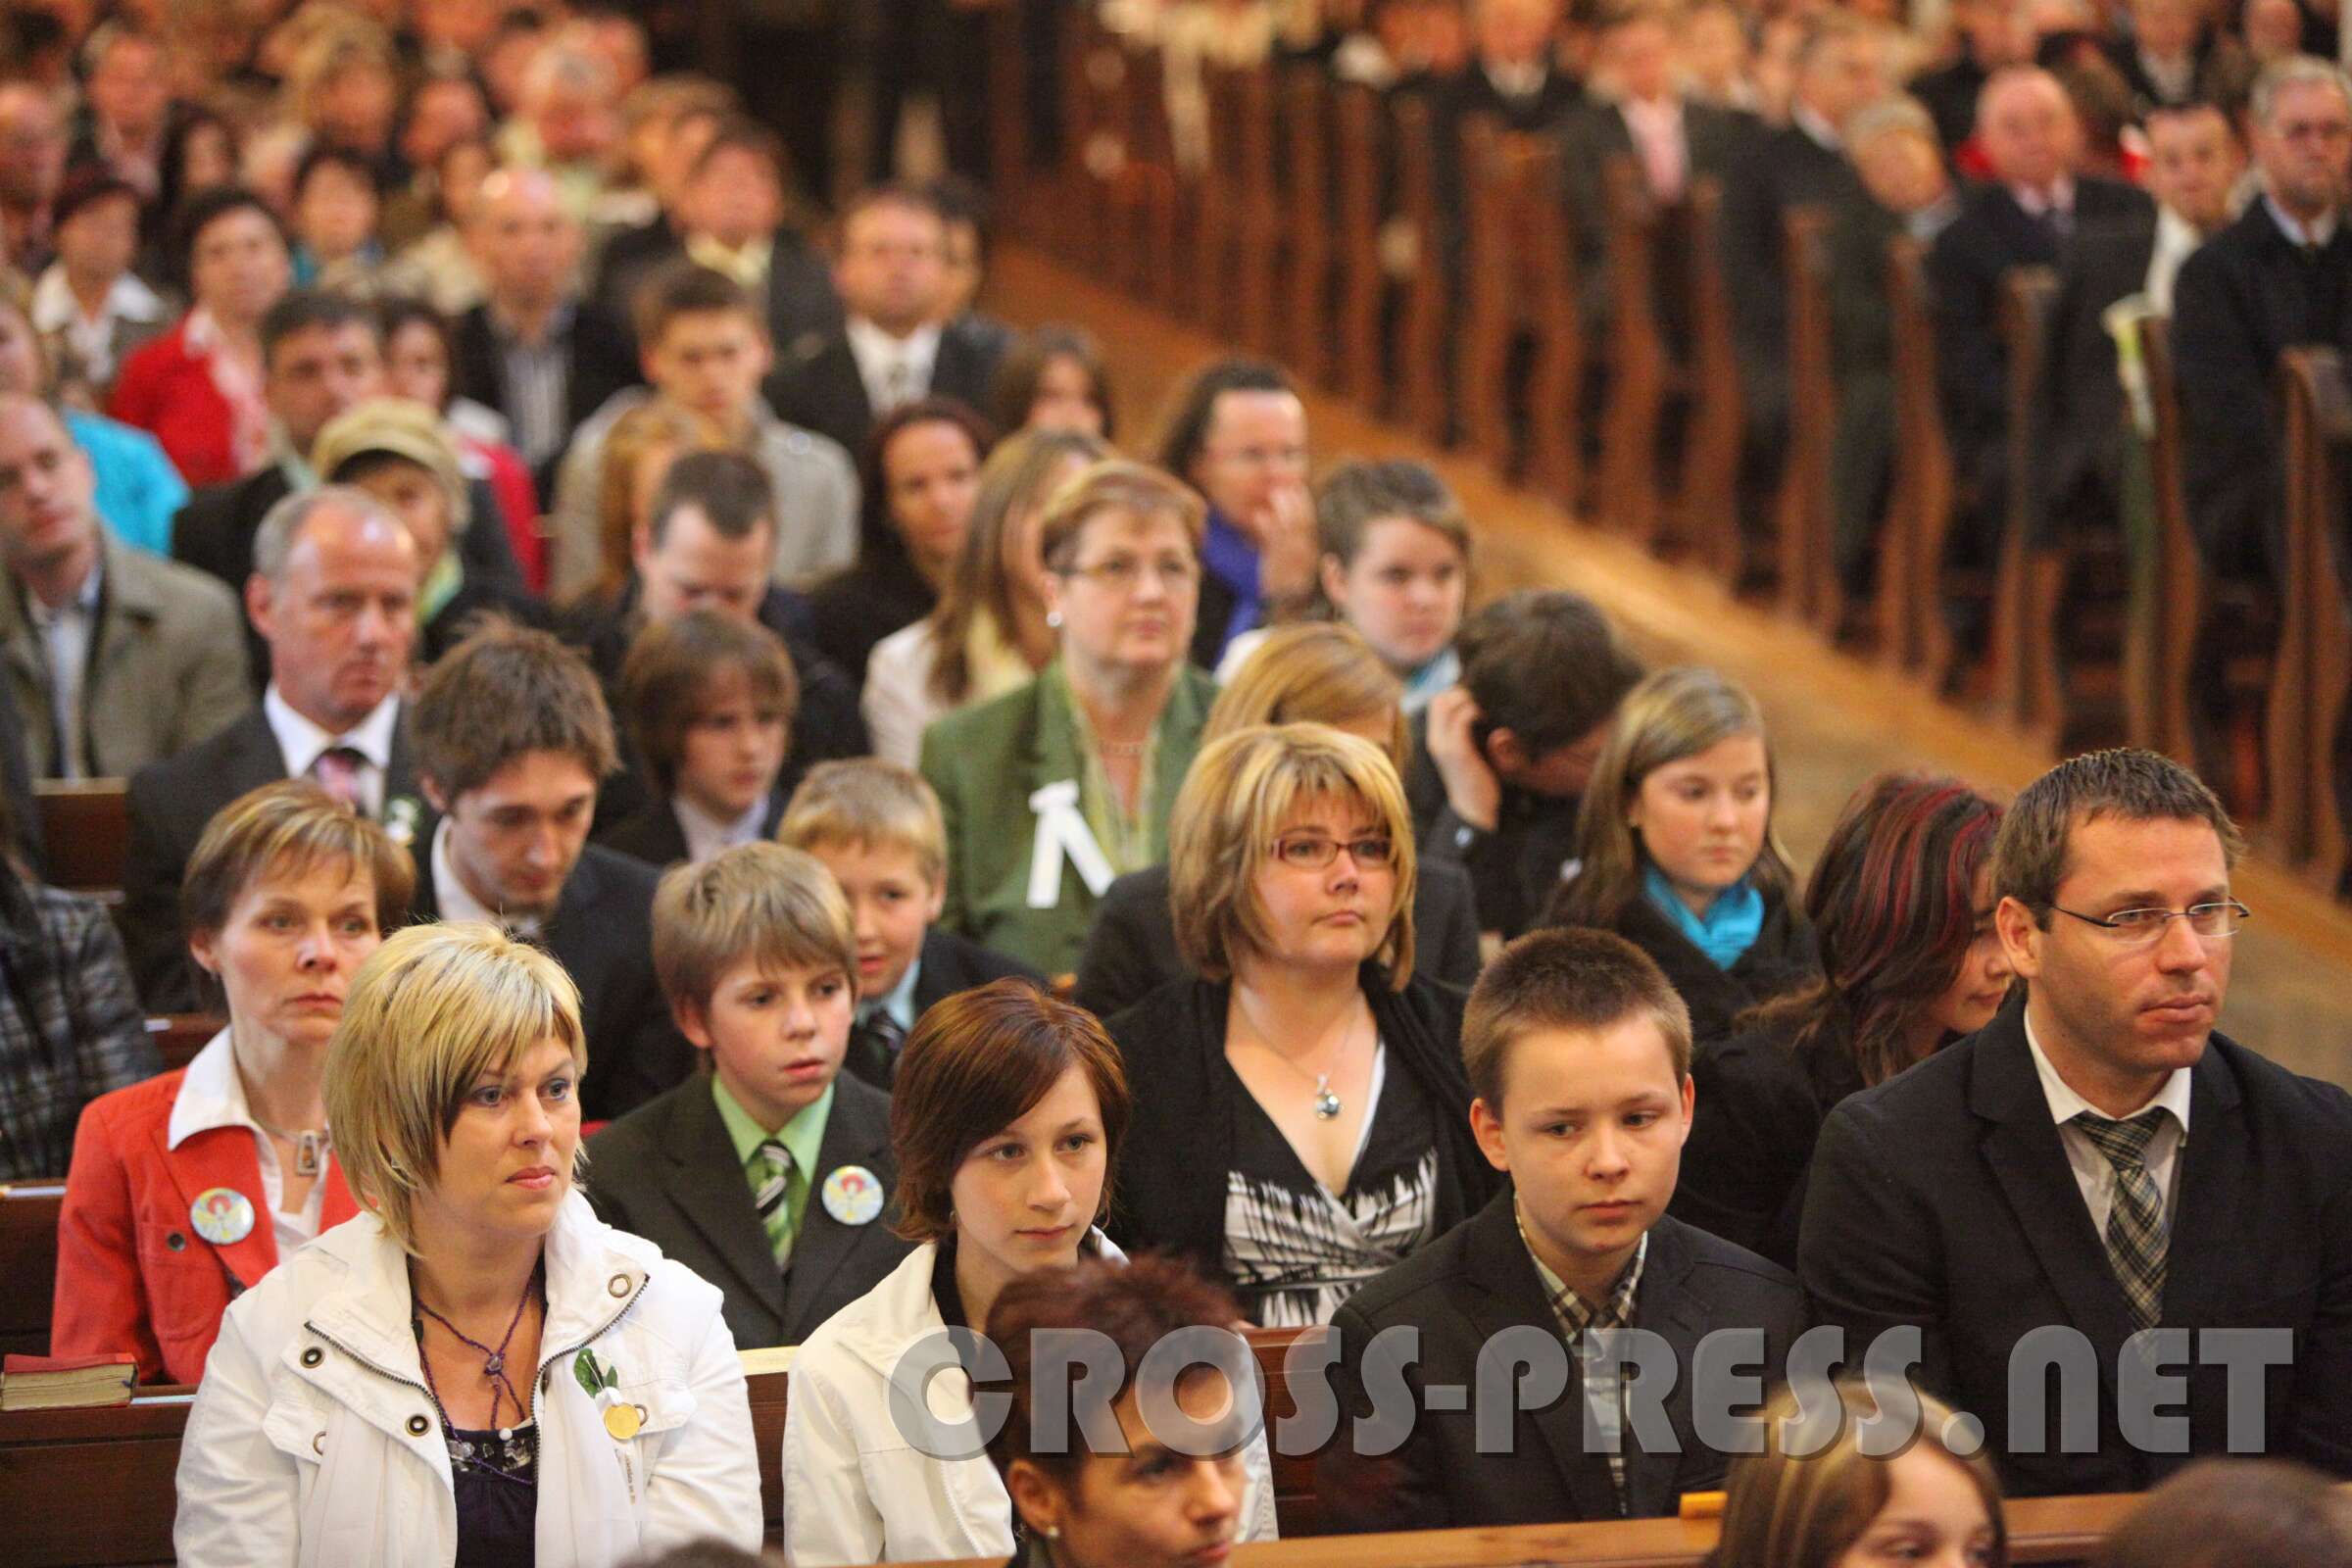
[[667, 1171], [1780, 169], [816, 386], [1759, 1111], [1171, 1191], [1479, 1281], [950, 963], [1943, 1200], [214, 532], [1592, 134], [603, 933], [170, 804], [799, 295], [1516, 869], [2245, 297], [853, 610], [2079, 469], [1131, 948], [603, 360], [1782, 957], [653, 834]]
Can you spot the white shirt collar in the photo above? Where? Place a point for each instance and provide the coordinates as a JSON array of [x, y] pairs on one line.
[[85, 598], [299, 741], [1802, 116], [2066, 1104], [211, 1095], [2318, 233], [457, 901], [2058, 196], [54, 307], [876, 351], [707, 833]]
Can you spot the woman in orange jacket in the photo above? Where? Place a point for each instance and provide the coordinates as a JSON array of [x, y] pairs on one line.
[[188, 1189]]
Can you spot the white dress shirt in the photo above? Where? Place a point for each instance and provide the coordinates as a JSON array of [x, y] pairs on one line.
[[57, 312], [2093, 1173], [67, 633], [708, 834], [212, 1093], [302, 742], [895, 369], [457, 901], [2320, 232], [2176, 239]]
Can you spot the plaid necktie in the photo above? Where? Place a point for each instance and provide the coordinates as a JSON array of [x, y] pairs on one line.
[[2136, 1228], [879, 1037], [780, 1174], [337, 772]]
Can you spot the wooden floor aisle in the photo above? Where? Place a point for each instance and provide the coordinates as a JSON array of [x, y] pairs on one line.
[[1835, 720]]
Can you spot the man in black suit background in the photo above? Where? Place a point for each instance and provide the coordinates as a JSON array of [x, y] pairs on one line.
[[1579, 1052], [891, 348], [2175, 54], [1513, 75], [534, 351], [2099, 1158], [2279, 277], [333, 593], [1992, 33], [512, 737], [732, 216], [2027, 214]]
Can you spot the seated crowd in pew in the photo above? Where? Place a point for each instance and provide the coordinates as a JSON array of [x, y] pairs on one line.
[[707, 809]]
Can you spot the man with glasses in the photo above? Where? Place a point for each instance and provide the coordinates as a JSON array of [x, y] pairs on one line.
[[2098, 1161]]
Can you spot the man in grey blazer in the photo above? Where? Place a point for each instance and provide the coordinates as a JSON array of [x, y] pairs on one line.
[[116, 658]]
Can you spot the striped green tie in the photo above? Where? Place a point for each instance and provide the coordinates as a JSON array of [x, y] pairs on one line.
[[2138, 1231], [779, 1176]]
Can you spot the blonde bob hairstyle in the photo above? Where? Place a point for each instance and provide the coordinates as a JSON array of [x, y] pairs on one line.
[[1313, 671], [1241, 793], [1673, 715], [1785, 1511], [429, 1014]]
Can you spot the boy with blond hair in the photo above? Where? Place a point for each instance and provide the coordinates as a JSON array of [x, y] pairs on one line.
[[767, 1172], [877, 828]]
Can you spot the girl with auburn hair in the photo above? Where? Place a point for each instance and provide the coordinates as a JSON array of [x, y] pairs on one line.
[[1007, 1120], [1677, 853], [1837, 1507], [1901, 905], [1303, 1113]]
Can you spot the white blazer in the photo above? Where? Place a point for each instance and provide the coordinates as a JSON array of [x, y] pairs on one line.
[[856, 1492], [312, 1440]]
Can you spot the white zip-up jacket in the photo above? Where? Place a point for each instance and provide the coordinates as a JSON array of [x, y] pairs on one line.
[[312, 1440], [857, 1491]]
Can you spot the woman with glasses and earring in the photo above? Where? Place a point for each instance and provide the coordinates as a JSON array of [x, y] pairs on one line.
[[1056, 788], [1301, 1115]]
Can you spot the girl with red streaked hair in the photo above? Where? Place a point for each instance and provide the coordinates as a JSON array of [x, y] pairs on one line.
[[1901, 904]]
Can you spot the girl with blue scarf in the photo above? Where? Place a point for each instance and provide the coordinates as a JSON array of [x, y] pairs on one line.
[[1678, 854]]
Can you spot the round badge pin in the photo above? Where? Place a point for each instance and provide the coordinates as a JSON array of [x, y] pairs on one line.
[[853, 1194], [221, 1216], [623, 1421]]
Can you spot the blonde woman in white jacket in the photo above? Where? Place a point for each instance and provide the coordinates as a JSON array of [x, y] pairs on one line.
[[1006, 1121], [478, 1370]]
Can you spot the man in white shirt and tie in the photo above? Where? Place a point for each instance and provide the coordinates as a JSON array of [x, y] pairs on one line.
[[892, 348], [333, 595]]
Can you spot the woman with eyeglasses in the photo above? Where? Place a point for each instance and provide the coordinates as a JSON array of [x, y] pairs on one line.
[[1302, 1114], [1056, 788]]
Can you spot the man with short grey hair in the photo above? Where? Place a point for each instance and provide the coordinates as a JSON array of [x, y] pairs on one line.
[[115, 657], [2100, 1161], [2279, 277], [333, 595]]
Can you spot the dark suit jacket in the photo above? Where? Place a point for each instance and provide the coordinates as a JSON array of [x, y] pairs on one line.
[[1479, 1281], [799, 296], [950, 963], [214, 532], [667, 1172], [1455, 100], [816, 386], [1131, 948], [1516, 869], [1171, 1190], [2245, 297], [653, 834], [1862, 364], [1949, 93], [603, 360], [601, 933], [853, 610], [1943, 1200], [1594, 133], [170, 804], [1977, 250], [1778, 169], [2221, 75], [2079, 472]]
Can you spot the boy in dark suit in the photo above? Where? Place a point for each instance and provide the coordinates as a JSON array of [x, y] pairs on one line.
[[1579, 1054], [768, 1173], [877, 828]]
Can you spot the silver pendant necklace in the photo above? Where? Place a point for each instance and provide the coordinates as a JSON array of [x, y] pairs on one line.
[[1327, 1103]]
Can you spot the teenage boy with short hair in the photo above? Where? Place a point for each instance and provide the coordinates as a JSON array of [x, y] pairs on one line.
[[877, 828], [1578, 1052], [768, 1172], [704, 345]]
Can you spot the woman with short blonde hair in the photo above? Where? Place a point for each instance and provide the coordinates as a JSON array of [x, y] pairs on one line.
[[1302, 1121], [191, 1186], [489, 1373]]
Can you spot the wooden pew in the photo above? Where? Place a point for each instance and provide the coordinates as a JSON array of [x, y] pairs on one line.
[[1630, 500], [1489, 325], [1556, 393], [178, 1036], [1421, 327], [1361, 140], [28, 1264], [1912, 637], [1259, 236], [1810, 591], [1215, 200], [86, 831], [1151, 164], [2022, 652], [2305, 828], [1306, 135], [1707, 502]]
